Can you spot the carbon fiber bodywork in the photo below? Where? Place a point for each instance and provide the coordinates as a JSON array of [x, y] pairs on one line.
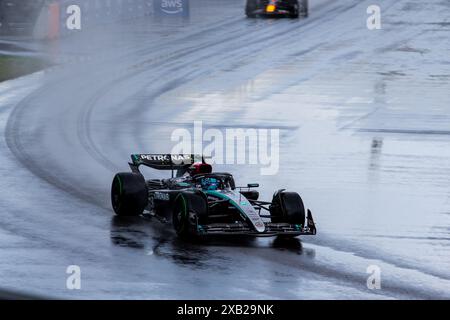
[[242, 228], [195, 209]]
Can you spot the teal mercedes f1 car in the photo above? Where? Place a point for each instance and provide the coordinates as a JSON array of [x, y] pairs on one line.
[[199, 202]]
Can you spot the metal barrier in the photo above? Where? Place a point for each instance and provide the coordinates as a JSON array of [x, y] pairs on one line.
[[56, 15], [49, 19], [97, 12], [18, 17]]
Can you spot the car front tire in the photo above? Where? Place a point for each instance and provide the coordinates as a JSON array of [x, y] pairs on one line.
[[304, 8], [189, 208], [287, 207], [250, 8]]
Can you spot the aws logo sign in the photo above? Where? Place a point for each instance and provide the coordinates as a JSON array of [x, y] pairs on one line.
[[172, 7]]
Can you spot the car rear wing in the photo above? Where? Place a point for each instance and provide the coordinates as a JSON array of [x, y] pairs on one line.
[[165, 161]]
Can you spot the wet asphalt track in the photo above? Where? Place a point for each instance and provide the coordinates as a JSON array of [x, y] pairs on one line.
[[365, 125]]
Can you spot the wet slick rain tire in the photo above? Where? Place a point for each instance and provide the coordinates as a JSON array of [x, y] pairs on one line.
[[304, 9], [188, 209], [129, 195], [250, 8], [287, 207]]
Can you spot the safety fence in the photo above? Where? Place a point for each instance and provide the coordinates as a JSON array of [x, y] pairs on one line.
[[61, 17], [51, 19]]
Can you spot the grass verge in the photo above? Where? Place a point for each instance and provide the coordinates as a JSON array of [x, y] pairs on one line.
[[13, 66]]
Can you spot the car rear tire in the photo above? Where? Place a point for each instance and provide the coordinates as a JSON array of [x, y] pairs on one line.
[[250, 8], [287, 207], [294, 14], [304, 8], [129, 195], [189, 209]]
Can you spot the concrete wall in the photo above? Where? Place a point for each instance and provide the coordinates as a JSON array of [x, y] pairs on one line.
[[52, 20], [47, 19], [18, 17]]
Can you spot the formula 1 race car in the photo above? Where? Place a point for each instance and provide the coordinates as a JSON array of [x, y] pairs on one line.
[[287, 8], [199, 202]]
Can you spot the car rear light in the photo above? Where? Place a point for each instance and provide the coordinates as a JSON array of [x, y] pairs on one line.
[[270, 8]]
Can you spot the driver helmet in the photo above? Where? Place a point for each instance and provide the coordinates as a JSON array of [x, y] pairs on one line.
[[210, 184], [200, 167]]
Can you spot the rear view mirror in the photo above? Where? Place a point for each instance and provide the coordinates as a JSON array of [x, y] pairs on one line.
[[253, 185]]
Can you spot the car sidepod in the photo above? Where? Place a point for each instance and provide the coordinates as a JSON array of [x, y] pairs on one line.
[[245, 208]]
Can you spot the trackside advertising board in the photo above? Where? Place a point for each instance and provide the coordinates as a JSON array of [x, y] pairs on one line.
[[166, 8]]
